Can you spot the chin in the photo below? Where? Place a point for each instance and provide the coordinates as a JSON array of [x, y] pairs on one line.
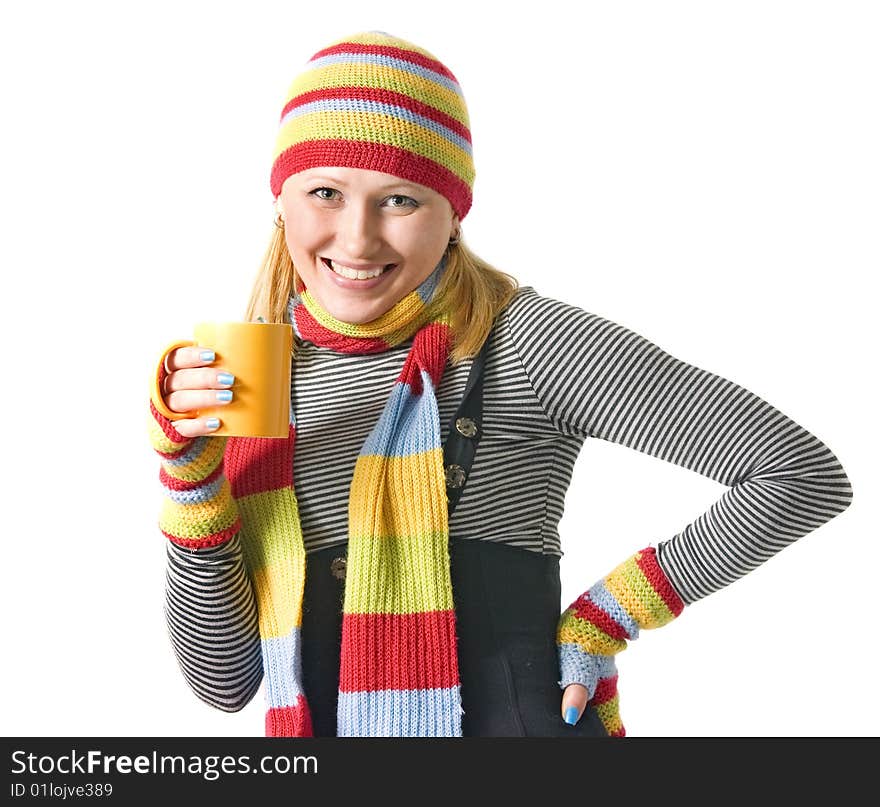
[[357, 316]]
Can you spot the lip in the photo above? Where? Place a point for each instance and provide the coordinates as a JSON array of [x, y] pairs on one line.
[[363, 267], [357, 285]]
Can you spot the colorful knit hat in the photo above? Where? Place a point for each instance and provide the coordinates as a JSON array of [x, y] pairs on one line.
[[378, 102]]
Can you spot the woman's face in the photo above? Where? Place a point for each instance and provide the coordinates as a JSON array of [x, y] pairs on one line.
[[366, 220]]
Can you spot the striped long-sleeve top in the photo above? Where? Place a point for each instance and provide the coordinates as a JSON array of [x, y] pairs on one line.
[[555, 375]]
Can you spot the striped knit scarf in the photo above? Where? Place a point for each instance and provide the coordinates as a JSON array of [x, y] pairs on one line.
[[398, 666]]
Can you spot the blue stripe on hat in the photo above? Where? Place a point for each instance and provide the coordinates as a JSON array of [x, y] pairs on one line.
[[386, 61], [361, 105]]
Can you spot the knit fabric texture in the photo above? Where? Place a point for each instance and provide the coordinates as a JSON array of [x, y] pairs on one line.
[[594, 628], [377, 102], [398, 666]]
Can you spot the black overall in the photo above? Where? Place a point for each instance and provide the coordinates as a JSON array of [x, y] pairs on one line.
[[507, 605]]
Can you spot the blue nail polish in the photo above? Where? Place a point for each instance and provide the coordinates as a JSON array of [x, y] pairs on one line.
[[224, 395], [571, 715], [207, 355], [226, 379], [213, 423]]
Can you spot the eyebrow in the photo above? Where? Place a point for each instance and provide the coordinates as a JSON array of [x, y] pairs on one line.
[[399, 184]]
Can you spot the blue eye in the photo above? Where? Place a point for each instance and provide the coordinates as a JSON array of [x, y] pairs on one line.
[[408, 201]]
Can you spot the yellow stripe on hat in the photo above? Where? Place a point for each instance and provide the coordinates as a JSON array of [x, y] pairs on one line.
[[372, 127], [382, 77]]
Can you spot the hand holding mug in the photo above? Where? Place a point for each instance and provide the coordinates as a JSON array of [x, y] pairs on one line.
[[232, 379], [193, 384]]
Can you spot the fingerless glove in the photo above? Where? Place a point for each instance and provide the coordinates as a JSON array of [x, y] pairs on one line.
[[198, 509], [595, 627]]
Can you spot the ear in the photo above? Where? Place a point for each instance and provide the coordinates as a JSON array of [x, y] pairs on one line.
[[279, 211]]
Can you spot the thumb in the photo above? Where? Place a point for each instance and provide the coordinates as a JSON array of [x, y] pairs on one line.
[[574, 701]]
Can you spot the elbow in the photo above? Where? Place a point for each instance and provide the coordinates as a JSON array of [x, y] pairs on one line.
[[842, 488], [226, 681], [836, 492], [229, 702], [232, 697]]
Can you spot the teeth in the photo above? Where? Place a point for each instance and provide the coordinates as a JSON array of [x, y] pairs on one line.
[[355, 274]]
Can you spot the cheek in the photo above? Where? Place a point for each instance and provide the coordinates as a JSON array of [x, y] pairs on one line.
[[420, 244], [302, 240]]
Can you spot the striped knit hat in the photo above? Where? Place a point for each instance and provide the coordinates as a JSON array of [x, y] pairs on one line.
[[378, 102]]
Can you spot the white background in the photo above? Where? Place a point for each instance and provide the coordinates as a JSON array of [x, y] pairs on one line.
[[704, 173]]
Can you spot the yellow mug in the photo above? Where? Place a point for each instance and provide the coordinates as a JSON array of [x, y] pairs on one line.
[[258, 354]]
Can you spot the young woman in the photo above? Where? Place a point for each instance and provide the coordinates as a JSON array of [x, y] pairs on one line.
[[376, 570]]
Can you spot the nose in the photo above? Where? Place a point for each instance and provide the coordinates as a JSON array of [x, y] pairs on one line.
[[359, 230]]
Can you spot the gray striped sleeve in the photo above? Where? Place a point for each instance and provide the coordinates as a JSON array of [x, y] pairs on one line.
[[596, 378], [212, 621]]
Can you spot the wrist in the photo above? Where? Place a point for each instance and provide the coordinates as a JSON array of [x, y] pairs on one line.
[[635, 595]]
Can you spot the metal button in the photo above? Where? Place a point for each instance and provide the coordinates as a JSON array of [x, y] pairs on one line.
[[337, 568], [466, 426], [455, 476]]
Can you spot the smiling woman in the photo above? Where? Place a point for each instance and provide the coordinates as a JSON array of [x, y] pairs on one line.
[[342, 565]]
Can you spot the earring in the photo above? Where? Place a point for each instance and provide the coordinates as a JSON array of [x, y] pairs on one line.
[[455, 238], [279, 222]]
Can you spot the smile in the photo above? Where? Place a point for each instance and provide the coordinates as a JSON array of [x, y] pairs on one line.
[[356, 274]]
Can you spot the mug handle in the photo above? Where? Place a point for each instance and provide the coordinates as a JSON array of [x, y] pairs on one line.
[[159, 376]]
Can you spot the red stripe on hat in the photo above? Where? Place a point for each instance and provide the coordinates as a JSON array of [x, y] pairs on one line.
[[647, 562], [398, 651], [376, 157], [584, 608], [259, 464], [381, 96], [387, 50], [290, 721]]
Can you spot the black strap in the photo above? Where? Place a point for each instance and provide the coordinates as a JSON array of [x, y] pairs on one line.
[[465, 431]]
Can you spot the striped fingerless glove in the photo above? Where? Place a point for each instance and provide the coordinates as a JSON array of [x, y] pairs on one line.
[[594, 628], [198, 509]]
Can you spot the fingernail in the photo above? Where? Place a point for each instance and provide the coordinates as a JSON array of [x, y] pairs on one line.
[[571, 715], [226, 379], [207, 355], [224, 395], [213, 423]]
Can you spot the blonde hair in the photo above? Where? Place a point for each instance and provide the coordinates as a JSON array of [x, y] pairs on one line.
[[477, 291]]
